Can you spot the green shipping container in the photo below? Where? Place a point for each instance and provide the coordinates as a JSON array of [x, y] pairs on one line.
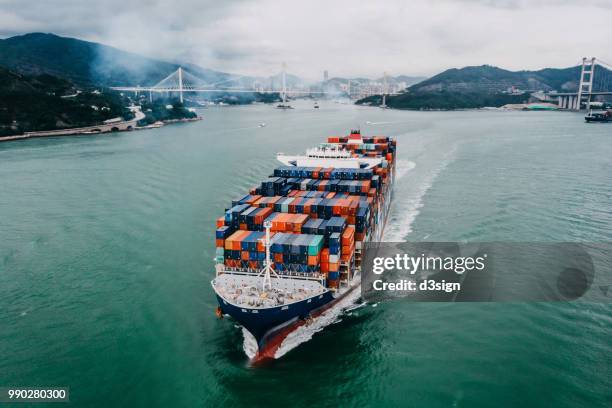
[[315, 245]]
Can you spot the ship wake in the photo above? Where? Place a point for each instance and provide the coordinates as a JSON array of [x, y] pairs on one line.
[[404, 210]]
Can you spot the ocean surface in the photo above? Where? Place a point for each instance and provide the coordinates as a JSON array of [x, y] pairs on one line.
[[106, 247]]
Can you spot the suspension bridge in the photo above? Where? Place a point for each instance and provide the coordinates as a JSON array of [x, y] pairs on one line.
[[590, 85], [595, 80], [182, 81]]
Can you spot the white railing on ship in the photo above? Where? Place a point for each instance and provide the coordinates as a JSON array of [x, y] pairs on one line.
[[281, 274]]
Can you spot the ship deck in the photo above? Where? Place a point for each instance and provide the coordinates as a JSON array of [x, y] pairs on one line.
[[246, 290]]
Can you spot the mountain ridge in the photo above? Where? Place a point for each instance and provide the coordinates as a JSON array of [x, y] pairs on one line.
[[87, 63]]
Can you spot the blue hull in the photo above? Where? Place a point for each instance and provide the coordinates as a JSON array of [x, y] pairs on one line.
[[262, 323]]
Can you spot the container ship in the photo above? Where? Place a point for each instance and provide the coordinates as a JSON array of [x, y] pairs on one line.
[[291, 249]]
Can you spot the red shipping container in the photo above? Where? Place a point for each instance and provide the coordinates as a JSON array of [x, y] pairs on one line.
[[220, 222], [262, 215], [325, 255]]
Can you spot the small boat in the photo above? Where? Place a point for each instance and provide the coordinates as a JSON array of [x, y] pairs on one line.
[[262, 125], [284, 106], [598, 117]]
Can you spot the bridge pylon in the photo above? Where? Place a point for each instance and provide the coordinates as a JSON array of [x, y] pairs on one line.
[[585, 87]]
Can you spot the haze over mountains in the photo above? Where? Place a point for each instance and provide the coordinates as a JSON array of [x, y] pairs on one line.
[[85, 62]]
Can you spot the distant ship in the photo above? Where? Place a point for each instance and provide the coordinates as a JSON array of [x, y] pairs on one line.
[[605, 116], [292, 248]]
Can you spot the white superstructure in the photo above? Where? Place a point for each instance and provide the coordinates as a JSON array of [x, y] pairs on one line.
[[329, 155]]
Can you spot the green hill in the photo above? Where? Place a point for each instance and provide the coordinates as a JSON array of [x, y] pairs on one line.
[[487, 78], [30, 103], [86, 62], [444, 100], [481, 86]]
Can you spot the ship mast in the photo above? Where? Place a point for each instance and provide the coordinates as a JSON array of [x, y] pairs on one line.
[[267, 270]]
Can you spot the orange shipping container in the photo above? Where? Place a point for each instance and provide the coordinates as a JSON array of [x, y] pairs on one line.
[[348, 235], [313, 260], [233, 241]]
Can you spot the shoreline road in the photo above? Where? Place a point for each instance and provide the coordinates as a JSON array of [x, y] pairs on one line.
[[125, 125]]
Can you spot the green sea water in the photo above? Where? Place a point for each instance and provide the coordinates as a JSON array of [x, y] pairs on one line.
[[106, 247]]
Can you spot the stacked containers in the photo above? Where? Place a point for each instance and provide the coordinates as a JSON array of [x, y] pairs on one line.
[[337, 205], [285, 222], [296, 252]]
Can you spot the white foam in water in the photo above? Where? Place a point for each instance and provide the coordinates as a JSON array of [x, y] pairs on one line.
[[403, 167], [304, 333], [405, 210], [249, 345]]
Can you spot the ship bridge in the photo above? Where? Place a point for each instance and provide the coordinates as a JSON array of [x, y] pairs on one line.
[[329, 155]]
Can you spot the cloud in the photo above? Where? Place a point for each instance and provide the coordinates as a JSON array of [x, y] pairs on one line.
[[345, 37]]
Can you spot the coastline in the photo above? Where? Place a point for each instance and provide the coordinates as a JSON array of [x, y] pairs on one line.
[[124, 126]]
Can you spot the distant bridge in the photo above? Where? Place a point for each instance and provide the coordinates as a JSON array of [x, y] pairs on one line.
[[181, 81], [588, 86]]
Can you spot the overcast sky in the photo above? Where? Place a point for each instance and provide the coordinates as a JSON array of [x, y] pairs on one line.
[[346, 37]]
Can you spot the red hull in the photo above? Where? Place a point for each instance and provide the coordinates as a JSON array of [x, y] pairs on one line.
[[268, 351]]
